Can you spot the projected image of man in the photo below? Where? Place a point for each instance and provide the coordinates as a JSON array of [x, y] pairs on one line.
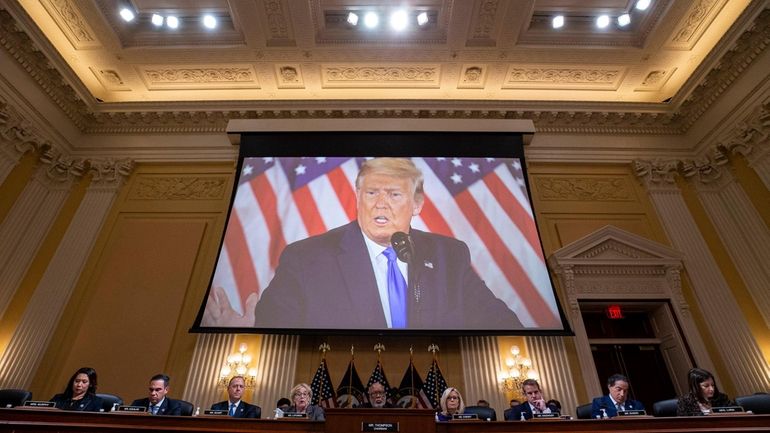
[[351, 276]]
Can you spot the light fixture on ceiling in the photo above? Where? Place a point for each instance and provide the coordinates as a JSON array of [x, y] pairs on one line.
[[371, 20], [558, 21], [603, 21], [127, 14], [209, 21], [172, 22], [624, 20], [399, 20], [157, 20], [643, 4], [422, 18], [352, 19]]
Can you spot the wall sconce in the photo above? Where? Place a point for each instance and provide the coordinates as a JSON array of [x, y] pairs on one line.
[[519, 370], [237, 364]]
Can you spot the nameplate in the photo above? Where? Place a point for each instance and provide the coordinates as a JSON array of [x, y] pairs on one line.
[[132, 409], [465, 416], [552, 415], [727, 409], [295, 415], [216, 412], [40, 404], [379, 426], [631, 412]]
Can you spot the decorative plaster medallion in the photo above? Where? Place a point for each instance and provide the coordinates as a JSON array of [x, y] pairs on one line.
[[71, 22]]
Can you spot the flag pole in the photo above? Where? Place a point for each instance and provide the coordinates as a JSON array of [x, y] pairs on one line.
[[433, 348], [350, 374]]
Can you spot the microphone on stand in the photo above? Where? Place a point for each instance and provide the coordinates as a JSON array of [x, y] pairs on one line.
[[402, 245]]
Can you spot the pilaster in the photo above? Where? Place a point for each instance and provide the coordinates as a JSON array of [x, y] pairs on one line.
[[739, 226], [735, 342], [25, 349], [211, 351], [31, 217], [276, 370], [549, 359]]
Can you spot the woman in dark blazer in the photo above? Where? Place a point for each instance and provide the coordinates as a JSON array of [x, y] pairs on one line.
[[301, 396], [703, 396], [80, 392]]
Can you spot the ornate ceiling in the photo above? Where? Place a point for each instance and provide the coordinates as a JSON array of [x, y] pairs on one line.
[[299, 58]]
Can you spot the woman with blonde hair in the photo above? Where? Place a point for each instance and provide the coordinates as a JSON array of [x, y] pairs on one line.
[[451, 404]]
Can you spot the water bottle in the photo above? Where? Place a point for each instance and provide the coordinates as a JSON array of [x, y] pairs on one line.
[[604, 414], [197, 411], [523, 418]]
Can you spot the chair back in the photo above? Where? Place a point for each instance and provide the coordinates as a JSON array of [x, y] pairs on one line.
[[665, 407], [484, 413], [187, 407], [109, 400], [14, 397], [758, 403], [583, 411]]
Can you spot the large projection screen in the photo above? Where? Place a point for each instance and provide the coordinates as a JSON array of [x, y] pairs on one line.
[[301, 249]]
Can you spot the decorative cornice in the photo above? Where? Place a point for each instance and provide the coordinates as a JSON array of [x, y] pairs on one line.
[[17, 132], [208, 117], [753, 130]]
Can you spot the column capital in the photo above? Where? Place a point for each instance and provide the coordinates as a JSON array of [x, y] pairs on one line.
[[58, 168], [658, 174], [17, 135], [750, 133], [710, 172], [111, 172]]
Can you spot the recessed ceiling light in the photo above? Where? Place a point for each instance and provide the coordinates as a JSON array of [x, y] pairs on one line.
[[422, 18], [558, 21], [127, 14], [399, 20], [157, 20], [371, 20], [209, 21], [624, 20], [642, 4], [603, 21], [352, 19], [172, 22]]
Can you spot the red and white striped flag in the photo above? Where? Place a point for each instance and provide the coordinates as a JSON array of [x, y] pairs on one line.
[[481, 201]]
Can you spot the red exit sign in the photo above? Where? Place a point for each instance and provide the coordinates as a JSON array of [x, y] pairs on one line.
[[614, 312]]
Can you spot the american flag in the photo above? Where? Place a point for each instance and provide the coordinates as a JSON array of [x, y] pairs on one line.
[[411, 393], [350, 393], [481, 201], [323, 390], [435, 384], [378, 375]]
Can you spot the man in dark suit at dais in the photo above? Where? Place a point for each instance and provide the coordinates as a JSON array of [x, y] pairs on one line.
[[617, 399], [234, 406], [157, 403], [350, 277]]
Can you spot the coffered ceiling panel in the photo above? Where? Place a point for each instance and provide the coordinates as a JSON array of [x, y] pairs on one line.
[[307, 50]]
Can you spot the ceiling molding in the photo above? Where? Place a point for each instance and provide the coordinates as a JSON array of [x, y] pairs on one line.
[[93, 117]]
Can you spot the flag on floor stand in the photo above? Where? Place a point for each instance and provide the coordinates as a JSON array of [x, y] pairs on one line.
[[435, 384], [350, 393], [410, 392], [323, 390], [378, 375]]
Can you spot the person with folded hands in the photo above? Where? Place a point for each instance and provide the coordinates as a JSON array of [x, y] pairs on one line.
[[80, 393], [704, 395], [616, 401]]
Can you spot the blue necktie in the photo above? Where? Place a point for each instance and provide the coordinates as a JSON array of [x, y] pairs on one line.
[[154, 409], [232, 409], [396, 291]]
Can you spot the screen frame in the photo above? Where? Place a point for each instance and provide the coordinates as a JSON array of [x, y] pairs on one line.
[[489, 141]]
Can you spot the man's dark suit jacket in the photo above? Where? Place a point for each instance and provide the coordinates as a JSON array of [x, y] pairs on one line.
[[609, 407], [327, 282], [168, 407], [516, 411], [244, 410]]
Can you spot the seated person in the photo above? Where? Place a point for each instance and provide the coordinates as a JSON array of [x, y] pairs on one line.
[[378, 398], [451, 404], [513, 403], [283, 403], [617, 399], [157, 403], [535, 403], [554, 403], [482, 403], [301, 396], [80, 392], [234, 406], [703, 396]]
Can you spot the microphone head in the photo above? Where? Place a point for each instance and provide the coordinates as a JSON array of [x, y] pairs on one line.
[[402, 244]]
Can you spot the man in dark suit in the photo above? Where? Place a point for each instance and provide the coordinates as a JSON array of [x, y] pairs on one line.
[[616, 400], [158, 403], [535, 403], [340, 279], [234, 406], [513, 403], [378, 397]]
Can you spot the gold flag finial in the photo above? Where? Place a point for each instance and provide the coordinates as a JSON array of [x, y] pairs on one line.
[[323, 348]]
